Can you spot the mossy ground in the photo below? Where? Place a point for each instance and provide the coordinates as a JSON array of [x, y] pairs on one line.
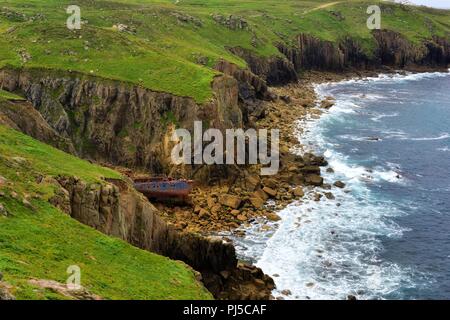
[[164, 53], [39, 241]]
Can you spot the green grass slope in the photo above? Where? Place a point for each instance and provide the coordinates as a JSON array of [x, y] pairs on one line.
[[164, 52], [37, 241], [5, 95]]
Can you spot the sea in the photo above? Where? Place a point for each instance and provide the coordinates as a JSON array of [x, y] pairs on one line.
[[386, 235]]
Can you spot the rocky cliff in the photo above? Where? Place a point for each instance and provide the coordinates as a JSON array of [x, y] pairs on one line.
[[119, 123], [310, 53], [275, 70], [21, 115], [116, 209]]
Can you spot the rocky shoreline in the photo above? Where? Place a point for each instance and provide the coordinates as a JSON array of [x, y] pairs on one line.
[[226, 208], [218, 206]]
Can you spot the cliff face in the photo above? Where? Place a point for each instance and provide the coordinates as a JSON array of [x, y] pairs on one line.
[[275, 70], [116, 209], [117, 122], [21, 116], [311, 53]]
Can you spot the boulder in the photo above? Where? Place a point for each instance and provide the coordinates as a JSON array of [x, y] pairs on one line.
[[327, 104], [271, 183], [329, 196], [241, 217], [286, 99], [313, 160], [298, 192], [211, 202], [314, 179], [310, 170], [230, 201], [261, 194], [235, 212], [270, 191], [273, 216], [252, 182], [339, 184], [257, 202], [286, 292], [203, 214], [4, 292]]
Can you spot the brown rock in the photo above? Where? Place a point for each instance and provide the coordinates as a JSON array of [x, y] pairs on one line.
[[216, 209], [270, 191], [298, 192], [252, 182], [273, 216], [261, 194], [259, 283], [203, 213], [314, 179], [327, 104], [235, 212], [211, 202], [329, 196], [310, 170], [230, 201], [77, 294], [241, 217], [197, 209], [339, 184], [257, 202], [286, 292], [5, 293], [271, 183]]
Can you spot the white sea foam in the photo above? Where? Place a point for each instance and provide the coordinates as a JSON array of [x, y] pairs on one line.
[[378, 117], [395, 134], [443, 136], [329, 249], [444, 149], [323, 250], [385, 78]]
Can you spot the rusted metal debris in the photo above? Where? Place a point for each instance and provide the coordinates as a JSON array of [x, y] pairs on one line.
[[163, 188]]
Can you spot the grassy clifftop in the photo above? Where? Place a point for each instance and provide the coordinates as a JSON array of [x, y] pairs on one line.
[[37, 241], [172, 47]]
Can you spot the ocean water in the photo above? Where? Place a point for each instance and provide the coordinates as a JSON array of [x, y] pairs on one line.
[[387, 233]]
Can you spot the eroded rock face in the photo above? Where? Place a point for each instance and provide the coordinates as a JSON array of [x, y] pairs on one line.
[[23, 117], [311, 53], [116, 209], [275, 70], [117, 122]]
